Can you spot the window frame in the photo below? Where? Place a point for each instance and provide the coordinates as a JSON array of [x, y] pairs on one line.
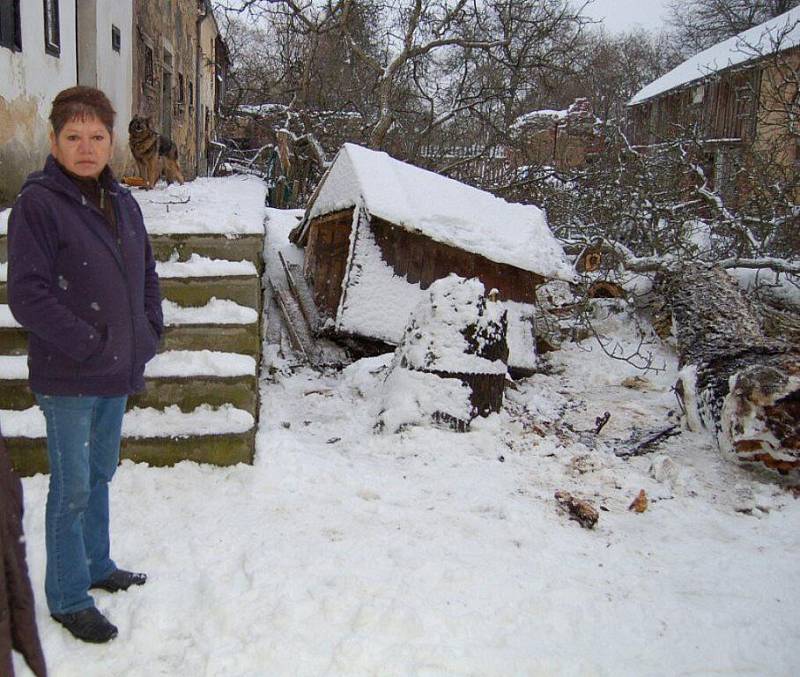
[[148, 65], [11, 35], [116, 39], [52, 28]]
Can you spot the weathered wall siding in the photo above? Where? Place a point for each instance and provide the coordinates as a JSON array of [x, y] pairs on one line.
[[422, 260], [23, 143], [734, 105], [778, 89], [167, 25], [326, 256], [205, 96], [30, 79]]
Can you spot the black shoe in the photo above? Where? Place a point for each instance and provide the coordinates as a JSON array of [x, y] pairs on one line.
[[120, 580], [88, 625]]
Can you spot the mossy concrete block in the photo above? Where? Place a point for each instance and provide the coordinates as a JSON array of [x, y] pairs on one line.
[[3, 248], [214, 449], [245, 290], [29, 456], [235, 248], [3, 293], [13, 341], [15, 394], [190, 393], [229, 338]]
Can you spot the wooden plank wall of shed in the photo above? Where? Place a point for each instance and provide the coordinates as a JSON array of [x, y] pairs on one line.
[[326, 257], [726, 110], [423, 261]]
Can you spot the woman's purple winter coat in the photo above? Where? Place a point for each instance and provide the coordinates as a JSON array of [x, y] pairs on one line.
[[89, 300]]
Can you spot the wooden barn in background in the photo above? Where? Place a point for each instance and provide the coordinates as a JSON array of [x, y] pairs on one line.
[[736, 98], [378, 232]]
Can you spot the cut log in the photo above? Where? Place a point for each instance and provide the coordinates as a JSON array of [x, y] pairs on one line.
[[457, 340], [578, 509], [735, 380]]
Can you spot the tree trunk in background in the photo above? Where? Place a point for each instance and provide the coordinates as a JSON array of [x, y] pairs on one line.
[[734, 379]]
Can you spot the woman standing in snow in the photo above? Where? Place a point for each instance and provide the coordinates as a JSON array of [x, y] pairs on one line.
[[82, 281]]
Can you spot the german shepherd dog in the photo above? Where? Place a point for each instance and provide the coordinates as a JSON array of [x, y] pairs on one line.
[[154, 154]]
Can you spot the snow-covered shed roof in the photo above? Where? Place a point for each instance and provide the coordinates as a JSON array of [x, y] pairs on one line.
[[778, 34], [443, 209]]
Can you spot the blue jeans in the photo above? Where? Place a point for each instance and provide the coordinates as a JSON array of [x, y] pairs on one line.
[[83, 437]]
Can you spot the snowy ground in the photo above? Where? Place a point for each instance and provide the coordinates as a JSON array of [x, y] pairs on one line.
[[347, 552]]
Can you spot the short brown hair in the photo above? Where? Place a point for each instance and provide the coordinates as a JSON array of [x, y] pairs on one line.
[[79, 103]]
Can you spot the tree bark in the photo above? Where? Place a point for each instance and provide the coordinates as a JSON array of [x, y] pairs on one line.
[[735, 380]]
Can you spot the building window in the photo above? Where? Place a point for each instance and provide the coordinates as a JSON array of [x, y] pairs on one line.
[[52, 35], [180, 98], [10, 35], [191, 95], [116, 38], [149, 68]]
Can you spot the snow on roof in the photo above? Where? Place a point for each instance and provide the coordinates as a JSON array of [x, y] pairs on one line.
[[545, 113], [778, 34], [441, 208]]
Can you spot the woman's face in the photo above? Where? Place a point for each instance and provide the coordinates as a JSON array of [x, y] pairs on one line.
[[83, 146]]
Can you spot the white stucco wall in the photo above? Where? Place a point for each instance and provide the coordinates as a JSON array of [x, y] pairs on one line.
[[115, 70], [29, 80]]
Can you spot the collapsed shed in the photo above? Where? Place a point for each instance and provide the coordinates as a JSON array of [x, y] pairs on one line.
[[378, 231]]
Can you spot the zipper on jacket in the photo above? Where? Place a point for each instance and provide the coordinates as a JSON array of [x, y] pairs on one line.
[[115, 205]]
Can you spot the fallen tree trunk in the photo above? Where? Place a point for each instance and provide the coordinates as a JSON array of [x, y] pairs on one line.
[[735, 380]]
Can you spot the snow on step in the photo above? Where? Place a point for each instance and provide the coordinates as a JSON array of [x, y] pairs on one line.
[[185, 363], [6, 318], [216, 311], [169, 364], [3, 272], [14, 367], [145, 423], [202, 266]]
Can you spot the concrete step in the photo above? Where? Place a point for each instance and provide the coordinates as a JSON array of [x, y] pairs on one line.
[[222, 435], [29, 456], [197, 291], [242, 339], [232, 248], [186, 393]]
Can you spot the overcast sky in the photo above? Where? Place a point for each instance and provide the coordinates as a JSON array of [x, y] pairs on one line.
[[621, 15]]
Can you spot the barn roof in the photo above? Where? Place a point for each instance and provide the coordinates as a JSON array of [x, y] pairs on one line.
[[775, 35], [440, 208]]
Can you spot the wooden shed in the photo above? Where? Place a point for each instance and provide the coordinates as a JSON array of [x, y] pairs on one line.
[[378, 232]]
